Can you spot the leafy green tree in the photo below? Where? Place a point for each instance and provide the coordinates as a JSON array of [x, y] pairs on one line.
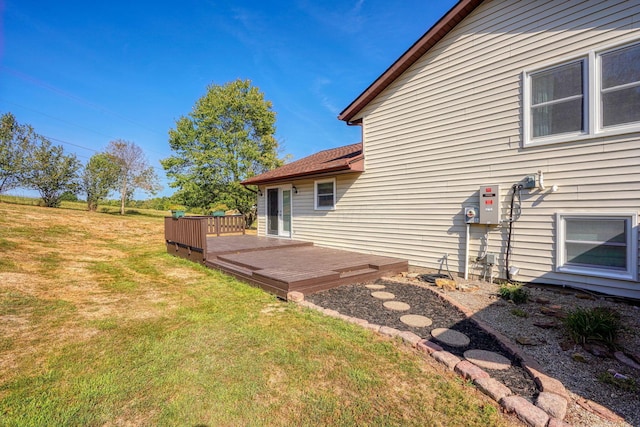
[[51, 172], [99, 178], [227, 138], [134, 170], [16, 141], [157, 203]]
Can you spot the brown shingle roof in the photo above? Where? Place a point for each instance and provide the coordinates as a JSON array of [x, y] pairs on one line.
[[419, 48], [340, 160]]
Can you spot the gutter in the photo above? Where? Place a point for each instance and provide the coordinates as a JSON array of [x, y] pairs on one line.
[[340, 168]]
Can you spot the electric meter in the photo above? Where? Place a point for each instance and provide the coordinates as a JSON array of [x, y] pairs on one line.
[[489, 204], [471, 215]]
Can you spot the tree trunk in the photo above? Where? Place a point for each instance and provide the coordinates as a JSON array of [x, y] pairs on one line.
[[123, 197]]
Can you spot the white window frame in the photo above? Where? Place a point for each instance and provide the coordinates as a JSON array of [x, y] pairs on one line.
[[632, 246], [624, 127], [592, 99], [315, 194], [527, 118]]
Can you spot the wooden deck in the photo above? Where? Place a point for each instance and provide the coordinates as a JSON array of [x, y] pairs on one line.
[[280, 266], [276, 265]]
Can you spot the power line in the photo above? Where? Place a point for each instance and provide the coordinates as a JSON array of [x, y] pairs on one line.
[[62, 141], [57, 118], [69, 143], [69, 95], [70, 123]]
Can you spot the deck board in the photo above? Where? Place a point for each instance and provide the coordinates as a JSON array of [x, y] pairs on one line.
[[280, 266]]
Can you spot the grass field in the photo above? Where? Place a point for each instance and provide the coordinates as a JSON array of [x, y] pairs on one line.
[[99, 326]]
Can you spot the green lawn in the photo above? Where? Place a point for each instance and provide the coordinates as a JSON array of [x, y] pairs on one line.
[[99, 326]]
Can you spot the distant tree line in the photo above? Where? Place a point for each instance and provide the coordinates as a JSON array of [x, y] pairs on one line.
[[29, 160]]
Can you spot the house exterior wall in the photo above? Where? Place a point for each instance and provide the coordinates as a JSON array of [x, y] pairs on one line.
[[453, 122]]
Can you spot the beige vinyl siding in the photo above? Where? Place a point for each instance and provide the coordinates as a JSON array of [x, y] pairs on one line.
[[262, 212], [452, 122]]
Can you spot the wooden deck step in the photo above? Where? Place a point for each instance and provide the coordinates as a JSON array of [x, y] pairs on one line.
[[390, 265], [229, 267], [233, 259], [297, 278], [354, 273], [355, 267]]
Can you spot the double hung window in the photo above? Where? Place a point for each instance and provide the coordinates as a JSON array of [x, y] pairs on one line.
[[592, 95], [558, 100], [620, 86], [325, 194]]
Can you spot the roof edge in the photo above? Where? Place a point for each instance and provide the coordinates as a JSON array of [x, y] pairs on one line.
[[346, 168], [436, 33]]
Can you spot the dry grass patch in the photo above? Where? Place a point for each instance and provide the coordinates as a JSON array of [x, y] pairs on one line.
[[100, 326]]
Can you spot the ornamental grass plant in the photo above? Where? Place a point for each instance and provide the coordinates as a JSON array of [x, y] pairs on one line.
[[593, 324]]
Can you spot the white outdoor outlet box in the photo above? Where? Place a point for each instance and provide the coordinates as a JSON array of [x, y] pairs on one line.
[[490, 258], [489, 204]]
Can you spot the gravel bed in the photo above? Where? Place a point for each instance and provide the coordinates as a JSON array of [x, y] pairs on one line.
[[356, 301], [548, 346], [554, 351]]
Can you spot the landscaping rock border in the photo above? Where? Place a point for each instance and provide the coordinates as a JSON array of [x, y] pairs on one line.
[[548, 410]]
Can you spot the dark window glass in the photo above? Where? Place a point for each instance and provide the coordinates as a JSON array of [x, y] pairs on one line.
[[620, 97], [557, 100], [325, 194], [599, 243]]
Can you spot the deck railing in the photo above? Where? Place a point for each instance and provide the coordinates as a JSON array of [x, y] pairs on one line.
[[189, 234], [228, 224]]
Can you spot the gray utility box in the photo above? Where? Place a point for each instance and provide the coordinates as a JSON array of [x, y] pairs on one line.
[[489, 204]]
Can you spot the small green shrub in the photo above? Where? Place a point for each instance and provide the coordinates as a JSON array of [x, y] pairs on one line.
[[594, 324], [516, 293], [626, 384], [519, 312]]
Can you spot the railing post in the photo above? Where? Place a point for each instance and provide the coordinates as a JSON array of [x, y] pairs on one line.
[[203, 236]]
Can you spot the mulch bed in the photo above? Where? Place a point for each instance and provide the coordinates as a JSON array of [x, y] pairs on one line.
[[356, 301]]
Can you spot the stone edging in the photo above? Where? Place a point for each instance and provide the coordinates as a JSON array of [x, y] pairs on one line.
[[551, 404], [548, 386]]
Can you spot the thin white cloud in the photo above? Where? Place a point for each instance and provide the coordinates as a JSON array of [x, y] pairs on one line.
[[318, 89], [346, 19], [358, 6]]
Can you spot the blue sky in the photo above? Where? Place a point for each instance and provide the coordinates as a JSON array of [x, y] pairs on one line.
[[84, 73]]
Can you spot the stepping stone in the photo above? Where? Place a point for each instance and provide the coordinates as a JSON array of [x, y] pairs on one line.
[[397, 305], [488, 359], [374, 286], [622, 358], [382, 295], [416, 320], [450, 337], [545, 325]]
